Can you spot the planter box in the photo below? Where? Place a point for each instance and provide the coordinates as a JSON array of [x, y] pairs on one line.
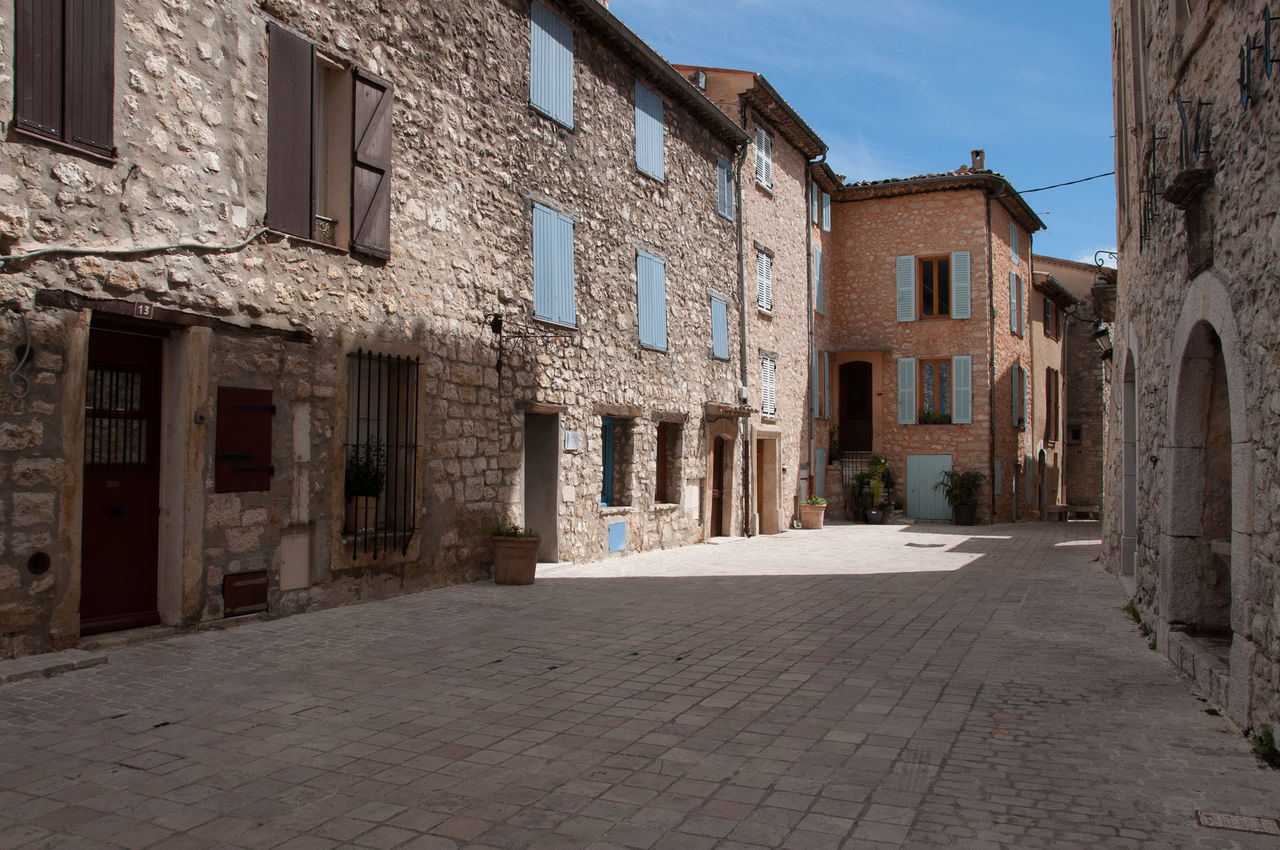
[[811, 515], [515, 559], [966, 514]]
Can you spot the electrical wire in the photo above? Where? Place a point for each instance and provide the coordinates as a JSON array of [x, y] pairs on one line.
[[129, 252], [1068, 183]]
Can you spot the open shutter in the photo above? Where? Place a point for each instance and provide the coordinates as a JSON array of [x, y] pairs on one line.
[[960, 289], [38, 66], [819, 298], [814, 388], [1021, 306], [724, 189], [289, 92], [826, 387], [826, 212], [719, 329], [551, 64], [1013, 302], [89, 93], [371, 166], [906, 285], [962, 389], [651, 292], [242, 447], [1013, 241], [906, 390], [649, 129]]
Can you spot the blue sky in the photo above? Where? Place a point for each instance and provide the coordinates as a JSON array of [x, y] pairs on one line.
[[911, 86]]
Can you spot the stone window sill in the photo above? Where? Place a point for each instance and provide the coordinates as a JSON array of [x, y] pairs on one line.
[[665, 507], [615, 510]]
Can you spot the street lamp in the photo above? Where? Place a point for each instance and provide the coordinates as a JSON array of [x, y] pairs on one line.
[[1102, 336]]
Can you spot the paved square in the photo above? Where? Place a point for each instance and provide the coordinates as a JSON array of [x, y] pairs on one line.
[[852, 687]]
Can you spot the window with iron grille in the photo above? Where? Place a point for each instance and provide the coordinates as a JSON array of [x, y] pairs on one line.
[[381, 452]]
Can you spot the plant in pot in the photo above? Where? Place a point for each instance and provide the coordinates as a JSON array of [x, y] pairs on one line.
[[875, 513], [961, 490], [812, 510], [515, 553], [366, 475]]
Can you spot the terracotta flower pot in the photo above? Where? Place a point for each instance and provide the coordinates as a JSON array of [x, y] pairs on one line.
[[515, 559], [811, 515]]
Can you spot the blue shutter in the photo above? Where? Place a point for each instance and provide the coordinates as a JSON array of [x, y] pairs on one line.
[[1021, 307], [550, 64], [1013, 302], [719, 329], [997, 474], [649, 131], [1013, 241], [826, 377], [553, 297], [724, 189], [962, 390], [906, 391], [960, 297], [818, 298], [813, 371], [826, 212], [906, 285], [651, 294]]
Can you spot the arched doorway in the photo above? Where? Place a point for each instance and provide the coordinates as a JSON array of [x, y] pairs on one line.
[[1129, 504]]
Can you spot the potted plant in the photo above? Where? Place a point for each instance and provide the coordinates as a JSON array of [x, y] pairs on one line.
[[812, 510], [366, 475], [961, 490], [875, 513], [515, 553]]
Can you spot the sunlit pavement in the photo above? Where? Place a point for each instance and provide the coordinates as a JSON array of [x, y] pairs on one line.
[[852, 687]]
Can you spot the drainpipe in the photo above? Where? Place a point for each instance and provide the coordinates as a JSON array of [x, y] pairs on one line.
[[991, 364], [745, 395], [810, 196]]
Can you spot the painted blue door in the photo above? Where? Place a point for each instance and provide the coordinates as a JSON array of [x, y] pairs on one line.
[[924, 502]]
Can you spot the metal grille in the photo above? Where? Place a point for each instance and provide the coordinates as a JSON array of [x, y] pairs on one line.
[[853, 464], [381, 452], [115, 423]]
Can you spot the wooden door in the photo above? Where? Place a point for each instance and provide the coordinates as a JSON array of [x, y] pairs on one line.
[[857, 432], [118, 576], [923, 500]]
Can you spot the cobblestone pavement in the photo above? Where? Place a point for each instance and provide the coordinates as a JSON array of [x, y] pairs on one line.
[[846, 688]]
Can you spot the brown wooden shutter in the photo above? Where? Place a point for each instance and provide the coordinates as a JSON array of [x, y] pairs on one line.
[[89, 91], [290, 71], [242, 452], [371, 166], [38, 63]]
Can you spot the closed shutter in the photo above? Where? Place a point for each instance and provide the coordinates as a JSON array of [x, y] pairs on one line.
[[768, 376], [826, 387], [764, 280], [724, 189], [651, 290], [960, 287], [906, 391], [813, 202], [826, 212], [289, 92], [906, 288], [90, 74], [371, 166], [719, 329], [819, 297], [550, 64], [998, 475], [553, 294], [1013, 302], [764, 157], [1023, 397], [37, 66], [1021, 306], [242, 442], [962, 390], [649, 131], [1028, 464], [814, 388]]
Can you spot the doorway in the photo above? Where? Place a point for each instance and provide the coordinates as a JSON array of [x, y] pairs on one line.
[[542, 481], [121, 507], [1129, 526], [857, 431], [767, 485], [717, 486]]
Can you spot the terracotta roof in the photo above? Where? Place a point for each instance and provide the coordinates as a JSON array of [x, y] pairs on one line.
[[964, 177], [766, 100]]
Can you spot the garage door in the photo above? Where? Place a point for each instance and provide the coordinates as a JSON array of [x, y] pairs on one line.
[[924, 502]]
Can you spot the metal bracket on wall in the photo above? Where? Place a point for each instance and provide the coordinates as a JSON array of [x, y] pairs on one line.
[[514, 329]]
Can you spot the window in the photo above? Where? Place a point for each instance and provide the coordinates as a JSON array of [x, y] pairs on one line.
[[1052, 319], [764, 158], [764, 280], [64, 72], [553, 289], [550, 64], [1013, 242], [719, 328], [818, 296], [1015, 303], [1052, 387], [813, 202], [328, 149], [935, 391], [651, 293], [649, 132], [826, 212], [615, 454], [939, 285], [768, 389], [725, 189], [380, 485], [666, 488]]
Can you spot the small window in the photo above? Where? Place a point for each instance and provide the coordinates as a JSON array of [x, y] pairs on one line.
[[1075, 434], [768, 389], [935, 391], [550, 64], [935, 287], [764, 281], [242, 453], [719, 328], [553, 277], [649, 133], [764, 157], [616, 451], [666, 488], [725, 189]]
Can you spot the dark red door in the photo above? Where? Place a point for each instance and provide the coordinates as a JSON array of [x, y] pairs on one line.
[[121, 483], [717, 482]]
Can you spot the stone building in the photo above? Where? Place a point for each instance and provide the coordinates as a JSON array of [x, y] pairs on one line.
[[298, 300], [1193, 450], [777, 253], [925, 338]]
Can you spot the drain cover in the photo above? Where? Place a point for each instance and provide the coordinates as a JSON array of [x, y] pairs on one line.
[[926, 545], [1240, 823]]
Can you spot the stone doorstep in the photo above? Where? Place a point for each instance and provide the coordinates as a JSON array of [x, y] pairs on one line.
[[1208, 671], [49, 664]]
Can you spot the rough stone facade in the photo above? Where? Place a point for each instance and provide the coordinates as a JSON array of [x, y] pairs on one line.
[[1192, 466], [249, 308]]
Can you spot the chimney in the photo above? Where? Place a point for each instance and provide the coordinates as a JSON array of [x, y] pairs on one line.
[[979, 159]]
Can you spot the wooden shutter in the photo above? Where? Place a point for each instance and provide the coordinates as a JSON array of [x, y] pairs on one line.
[[1013, 302], [826, 212], [819, 298], [1013, 241], [764, 280], [651, 294], [242, 453], [38, 66], [89, 84], [813, 381], [649, 132], [1021, 308], [960, 287], [826, 387], [906, 288], [962, 390], [813, 202], [719, 329], [906, 390], [550, 64], [764, 157], [371, 166], [553, 277], [724, 189], [290, 70], [768, 391]]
